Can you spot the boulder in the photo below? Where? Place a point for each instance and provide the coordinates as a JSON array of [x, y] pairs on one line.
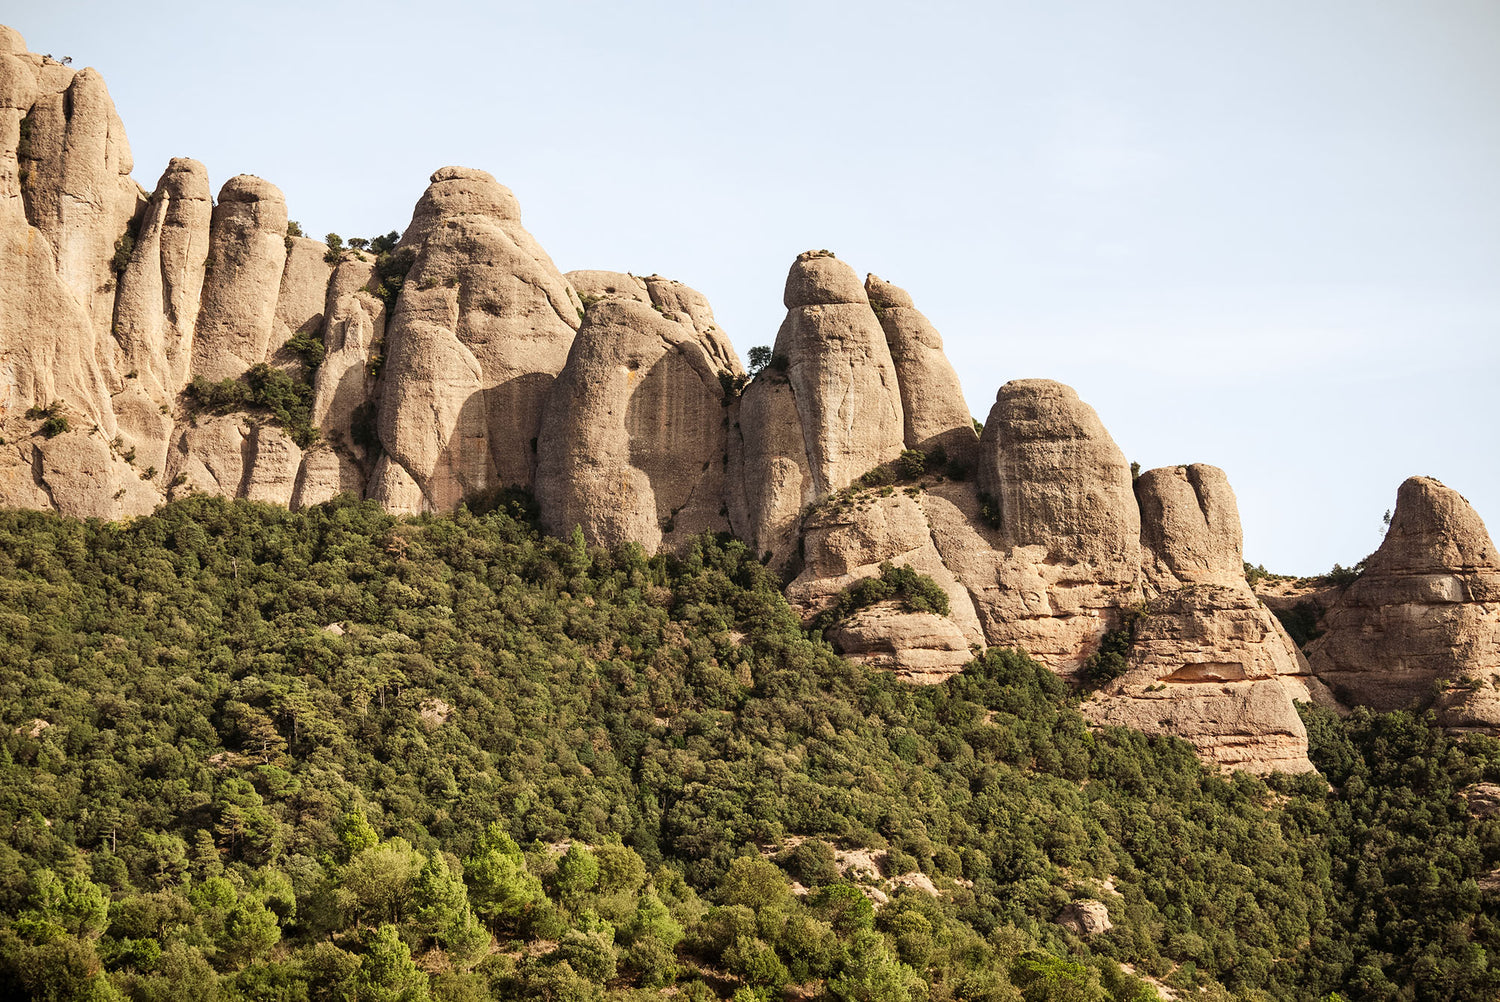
[[1423, 619], [481, 329], [932, 401], [632, 442], [1086, 918], [1190, 528]]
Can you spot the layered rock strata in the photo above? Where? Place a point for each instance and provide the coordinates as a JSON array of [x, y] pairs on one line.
[[1421, 625]]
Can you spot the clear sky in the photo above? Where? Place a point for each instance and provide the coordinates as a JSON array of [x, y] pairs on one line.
[[1263, 234]]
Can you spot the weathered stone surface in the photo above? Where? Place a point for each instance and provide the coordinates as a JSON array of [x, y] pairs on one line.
[[1060, 481], [840, 371], [1212, 666], [1190, 528], [274, 462], [325, 474], [78, 191], [919, 647], [303, 293], [1086, 918], [591, 285], [932, 401], [482, 327], [343, 404], [75, 469], [771, 479], [209, 456], [632, 443], [156, 308], [246, 256], [1425, 611]]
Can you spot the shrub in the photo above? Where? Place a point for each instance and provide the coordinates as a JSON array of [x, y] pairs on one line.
[[54, 426], [917, 592], [309, 347], [911, 464], [335, 248], [759, 357], [1301, 621], [1112, 659]]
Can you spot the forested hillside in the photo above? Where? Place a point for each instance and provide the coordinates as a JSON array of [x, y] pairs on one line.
[[337, 754]]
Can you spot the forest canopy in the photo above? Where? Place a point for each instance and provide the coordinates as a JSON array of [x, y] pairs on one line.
[[335, 754]]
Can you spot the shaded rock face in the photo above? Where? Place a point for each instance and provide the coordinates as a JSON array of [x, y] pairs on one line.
[[632, 443], [1209, 663], [483, 326], [932, 401], [825, 414], [1424, 617]]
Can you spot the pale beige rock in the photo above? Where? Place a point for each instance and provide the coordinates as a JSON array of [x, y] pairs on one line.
[[1425, 611], [157, 304], [76, 470], [845, 540], [1061, 482], [771, 478], [274, 462], [1086, 918], [482, 328], [690, 307], [302, 296], [1211, 665], [11, 40], [246, 257], [593, 284], [1190, 528], [840, 371], [326, 473], [632, 443], [78, 191], [918, 647], [209, 456], [344, 385], [932, 401]]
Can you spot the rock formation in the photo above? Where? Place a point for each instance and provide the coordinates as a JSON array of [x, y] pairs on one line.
[[1422, 622], [632, 442], [1207, 662], [483, 326], [460, 360], [932, 402]]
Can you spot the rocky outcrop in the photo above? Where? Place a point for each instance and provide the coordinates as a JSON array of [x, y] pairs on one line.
[[1207, 662], [932, 401], [827, 410], [845, 541], [1422, 622], [1086, 918], [483, 326], [246, 257], [632, 443]]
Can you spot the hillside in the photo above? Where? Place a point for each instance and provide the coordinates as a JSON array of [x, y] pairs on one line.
[[344, 754]]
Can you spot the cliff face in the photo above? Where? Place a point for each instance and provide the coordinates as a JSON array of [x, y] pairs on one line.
[[461, 360]]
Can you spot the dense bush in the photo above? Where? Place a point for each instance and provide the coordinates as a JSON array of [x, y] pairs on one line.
[[265, 388], [246, 753]]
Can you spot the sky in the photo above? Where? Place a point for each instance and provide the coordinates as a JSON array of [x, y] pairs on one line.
[[1262, 234]]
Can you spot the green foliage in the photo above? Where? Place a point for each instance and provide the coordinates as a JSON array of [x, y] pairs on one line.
[[391, 267], [1344, 576], [758, 358], [294, 228], [124, 248], [54, 426], [309, 347], [264, 388], [335, 248], [917, 592], [232, 801], [912, 463], [1112, 658], [1301, 621]]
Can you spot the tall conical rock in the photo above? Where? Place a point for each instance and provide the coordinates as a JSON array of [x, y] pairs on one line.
[[481, 329], [932, 401], [1423, 619], [832, 373], [1208, 662], [632, 444], [246, 257]]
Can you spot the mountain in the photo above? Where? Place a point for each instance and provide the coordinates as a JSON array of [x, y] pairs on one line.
[[164, 344]]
